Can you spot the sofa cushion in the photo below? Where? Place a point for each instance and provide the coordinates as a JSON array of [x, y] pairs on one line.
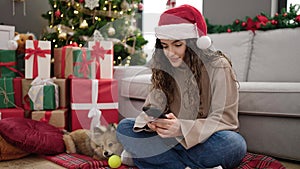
[[237, 46], [270, 98], [275, 56], [136, 87]]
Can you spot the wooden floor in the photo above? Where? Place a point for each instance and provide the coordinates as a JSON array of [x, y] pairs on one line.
[[29, 162], [36, 162]]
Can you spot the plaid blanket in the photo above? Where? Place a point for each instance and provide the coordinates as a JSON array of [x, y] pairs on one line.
[[77, 161], [259, 161]]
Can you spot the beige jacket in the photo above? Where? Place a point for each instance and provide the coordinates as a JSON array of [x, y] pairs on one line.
[[216, 108]]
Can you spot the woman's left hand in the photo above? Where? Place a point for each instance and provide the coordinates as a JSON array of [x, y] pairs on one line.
[[169, 127]]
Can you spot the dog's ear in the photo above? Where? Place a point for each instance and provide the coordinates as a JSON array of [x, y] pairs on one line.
[[100, 129], [112, 127]]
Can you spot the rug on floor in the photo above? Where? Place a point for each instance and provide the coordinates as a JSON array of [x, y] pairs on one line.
[[76, 161], [259, 161]]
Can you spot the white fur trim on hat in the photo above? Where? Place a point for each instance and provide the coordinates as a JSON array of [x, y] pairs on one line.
[[204, 42], [176, 31]]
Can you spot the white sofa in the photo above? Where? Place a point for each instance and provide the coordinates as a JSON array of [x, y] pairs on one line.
[[268, 71]]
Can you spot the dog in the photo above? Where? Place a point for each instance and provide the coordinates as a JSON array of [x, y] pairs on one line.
[[101, 143]]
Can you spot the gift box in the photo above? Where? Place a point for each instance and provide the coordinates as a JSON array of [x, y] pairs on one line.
[[102, 53], [63, 61], [83, 64], [37, 59], [93, 102], [43, 94], [8, 64], [7, 98], [11, 92], [63, 87], [57, 118], [11, 112]]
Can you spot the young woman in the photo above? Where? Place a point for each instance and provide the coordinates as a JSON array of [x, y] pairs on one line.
[[197, 90]]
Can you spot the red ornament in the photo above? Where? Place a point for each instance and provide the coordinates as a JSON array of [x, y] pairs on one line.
[[237, 21], [297, 19], [140, 6], [57, 13], [229, 30], [244, 24], [276, 14], [285, 14], [81, 1], [262, 19], [274, 22]]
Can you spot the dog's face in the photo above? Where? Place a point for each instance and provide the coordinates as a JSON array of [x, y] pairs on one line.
[[105, 143]]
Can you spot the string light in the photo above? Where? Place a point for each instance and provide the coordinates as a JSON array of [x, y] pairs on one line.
[[76, 12]]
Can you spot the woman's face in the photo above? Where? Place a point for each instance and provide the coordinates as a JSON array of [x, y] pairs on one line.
[[174, 51]]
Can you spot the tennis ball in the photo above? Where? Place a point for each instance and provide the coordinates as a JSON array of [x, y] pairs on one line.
[[114, 161]]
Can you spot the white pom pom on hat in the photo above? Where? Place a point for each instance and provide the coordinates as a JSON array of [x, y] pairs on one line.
[[183, 22], [204, 42]]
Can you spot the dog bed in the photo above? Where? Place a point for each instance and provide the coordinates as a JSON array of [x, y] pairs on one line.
[[73, 161]]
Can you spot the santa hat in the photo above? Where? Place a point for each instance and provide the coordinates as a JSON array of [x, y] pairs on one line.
[[183, 22]]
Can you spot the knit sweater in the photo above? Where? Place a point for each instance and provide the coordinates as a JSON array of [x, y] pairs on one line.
[[204, 111]]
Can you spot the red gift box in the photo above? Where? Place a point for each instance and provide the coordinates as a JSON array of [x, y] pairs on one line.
[[88, 96], [11, 112]]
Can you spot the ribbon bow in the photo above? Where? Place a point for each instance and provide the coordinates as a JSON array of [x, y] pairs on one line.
[[36, 92], [97, 53]]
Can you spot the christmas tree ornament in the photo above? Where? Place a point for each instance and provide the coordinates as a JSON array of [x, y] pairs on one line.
[[62, 35], [57, 13], [97, 36], [140, 6], [131, 29], [111, 31], [81, 1], [24, 6], [83, 25], [124, 5], [91, 4]]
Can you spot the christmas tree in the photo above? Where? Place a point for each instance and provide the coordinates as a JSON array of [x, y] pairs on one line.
[[75, 21]]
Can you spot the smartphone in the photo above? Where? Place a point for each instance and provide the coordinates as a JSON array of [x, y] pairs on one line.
[[154, 112]]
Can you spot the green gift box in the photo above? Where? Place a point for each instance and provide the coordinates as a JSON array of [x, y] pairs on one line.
[[43, 95], [8, 63], [7, 98], [83, 64]]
